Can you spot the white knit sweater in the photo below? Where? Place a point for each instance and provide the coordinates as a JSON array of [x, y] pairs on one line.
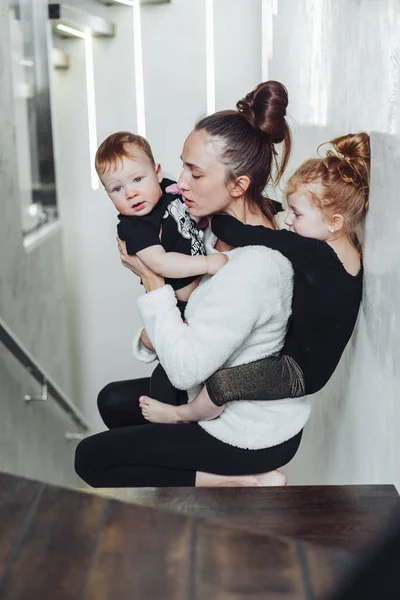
[[237, 316]]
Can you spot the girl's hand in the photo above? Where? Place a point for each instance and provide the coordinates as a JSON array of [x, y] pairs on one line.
[[150, 280]]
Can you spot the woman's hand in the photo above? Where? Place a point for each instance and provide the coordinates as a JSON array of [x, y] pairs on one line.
[[150, 280]]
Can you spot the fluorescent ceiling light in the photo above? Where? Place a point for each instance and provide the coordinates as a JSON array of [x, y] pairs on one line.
[[70, 30], [210, 69], [91, 107], [267, 37], [70, 19], [137, 41]]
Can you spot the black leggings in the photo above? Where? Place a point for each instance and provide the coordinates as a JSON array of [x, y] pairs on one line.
[[136, 453]]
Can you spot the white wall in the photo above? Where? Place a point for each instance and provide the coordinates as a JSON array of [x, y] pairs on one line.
[[174, 65], [237, 35], [102, 294], [341, 65]]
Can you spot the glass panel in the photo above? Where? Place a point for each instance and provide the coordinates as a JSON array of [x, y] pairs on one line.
[[36, 172]]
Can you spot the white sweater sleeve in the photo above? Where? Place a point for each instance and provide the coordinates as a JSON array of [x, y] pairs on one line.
[[244, 293]]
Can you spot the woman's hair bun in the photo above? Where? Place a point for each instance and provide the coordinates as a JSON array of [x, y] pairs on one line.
[[265, 109], [352, 153]]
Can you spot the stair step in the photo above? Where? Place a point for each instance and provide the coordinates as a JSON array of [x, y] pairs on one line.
[[346, 517], [62, 544], [180, 544]]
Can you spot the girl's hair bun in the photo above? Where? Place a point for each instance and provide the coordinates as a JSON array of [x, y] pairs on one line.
[[352, 156]]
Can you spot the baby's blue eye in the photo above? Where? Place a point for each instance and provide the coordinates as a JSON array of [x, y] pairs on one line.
[[138, 179], [118, 188]]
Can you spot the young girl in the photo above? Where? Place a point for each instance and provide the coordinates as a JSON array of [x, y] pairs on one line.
[[327, 202]]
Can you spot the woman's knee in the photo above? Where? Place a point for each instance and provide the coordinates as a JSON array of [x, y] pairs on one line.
[[85, 460], [118, 402], [107, 401]]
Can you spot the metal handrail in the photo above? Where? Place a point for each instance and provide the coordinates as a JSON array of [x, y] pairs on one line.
[[17, 348]]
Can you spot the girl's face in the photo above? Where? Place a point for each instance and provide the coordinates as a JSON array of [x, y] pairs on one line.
[[304, 218], [202, 180]]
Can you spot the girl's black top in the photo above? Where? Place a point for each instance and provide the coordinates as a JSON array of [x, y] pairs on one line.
[[326, 298]]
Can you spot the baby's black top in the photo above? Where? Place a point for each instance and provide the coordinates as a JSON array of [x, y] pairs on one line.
[[326, 298], [179, 232]]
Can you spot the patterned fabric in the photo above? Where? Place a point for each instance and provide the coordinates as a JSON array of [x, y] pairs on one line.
[[271, 378]]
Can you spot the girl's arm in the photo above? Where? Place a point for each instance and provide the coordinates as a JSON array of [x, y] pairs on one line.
[[233, 232], [247, 292]]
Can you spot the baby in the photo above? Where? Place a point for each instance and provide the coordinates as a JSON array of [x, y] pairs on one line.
[[154, 224]]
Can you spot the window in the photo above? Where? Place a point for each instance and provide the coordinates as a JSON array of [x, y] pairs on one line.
[[33, 128]]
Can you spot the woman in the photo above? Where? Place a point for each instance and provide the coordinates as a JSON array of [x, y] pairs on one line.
[[238, 315]]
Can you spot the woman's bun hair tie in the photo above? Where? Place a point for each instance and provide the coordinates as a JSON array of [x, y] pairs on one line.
[[265, 109]]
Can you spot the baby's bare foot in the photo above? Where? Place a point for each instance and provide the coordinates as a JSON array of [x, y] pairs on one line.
[[158, 412]]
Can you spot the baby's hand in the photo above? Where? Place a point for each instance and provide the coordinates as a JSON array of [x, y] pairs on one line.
[[216, 262]]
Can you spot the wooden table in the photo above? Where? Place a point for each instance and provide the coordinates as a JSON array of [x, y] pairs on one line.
[[62, 544]]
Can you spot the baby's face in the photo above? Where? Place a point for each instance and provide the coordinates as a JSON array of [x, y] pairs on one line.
[[134, 186]]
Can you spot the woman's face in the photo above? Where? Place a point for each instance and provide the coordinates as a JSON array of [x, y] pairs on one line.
[[202, 180]]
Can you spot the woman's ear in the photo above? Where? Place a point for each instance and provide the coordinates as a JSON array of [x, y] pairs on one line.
[[239, 186], [336, 223]]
